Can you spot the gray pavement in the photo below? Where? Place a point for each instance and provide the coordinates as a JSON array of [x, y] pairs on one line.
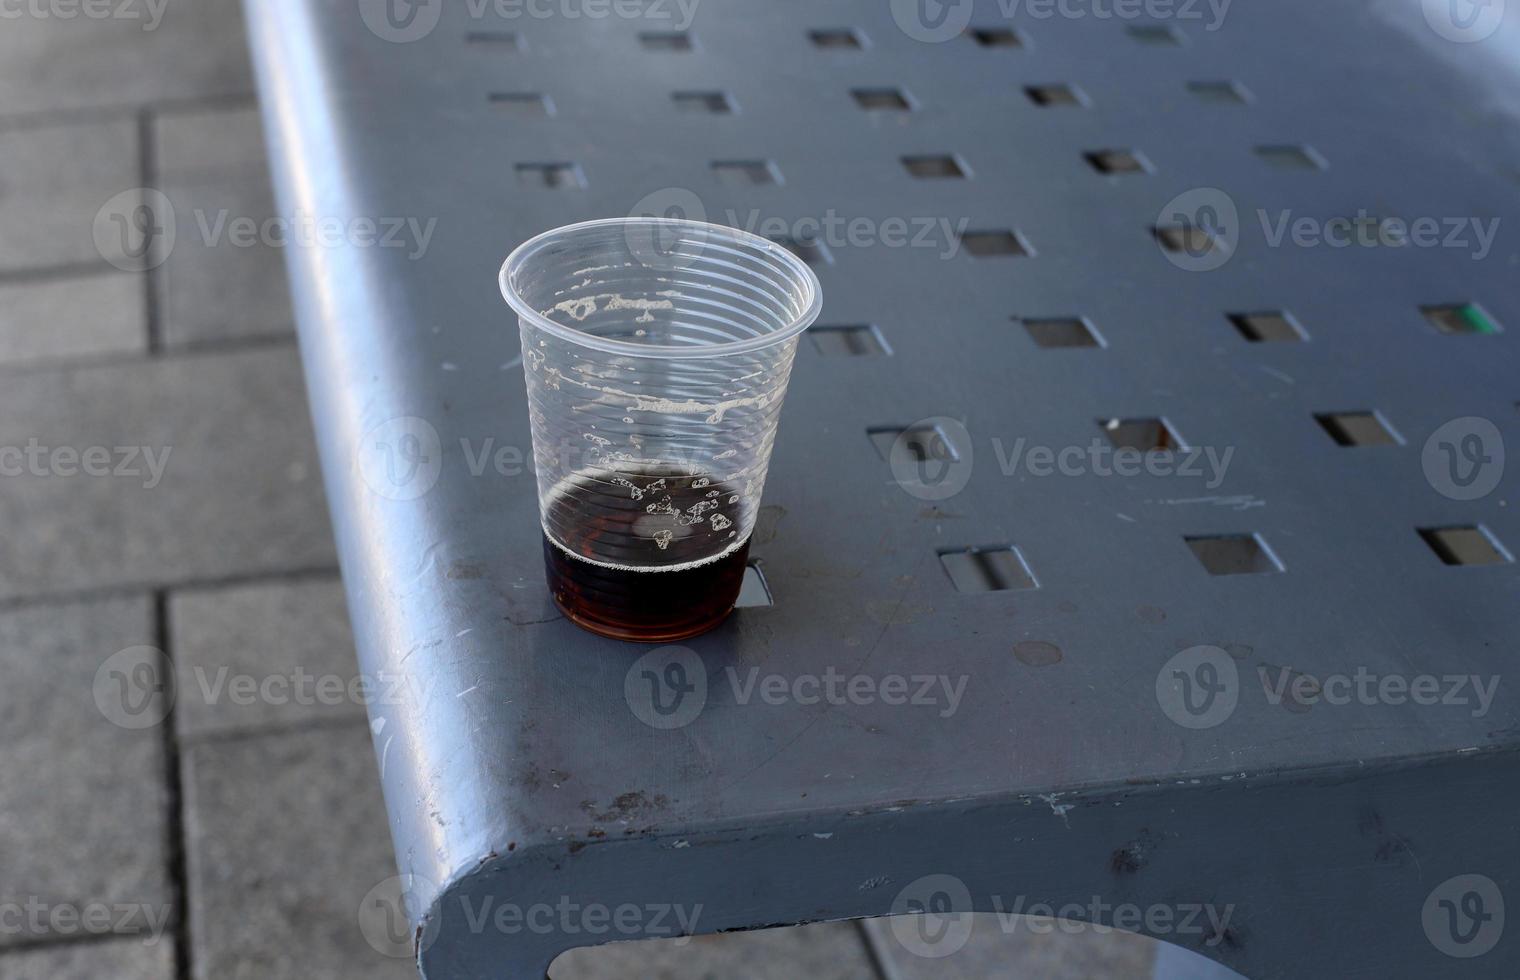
[[220, 818]]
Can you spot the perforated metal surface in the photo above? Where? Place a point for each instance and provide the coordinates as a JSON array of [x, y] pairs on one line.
[[526, 769]]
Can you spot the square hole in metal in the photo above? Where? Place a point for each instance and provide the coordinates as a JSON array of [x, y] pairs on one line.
[[505, 40], [1359, 429], [809, 250], [1054, 96], [915, 444], [995, 569], [754, 591], [1064, 331], [1291, 157], [996, 37], [665, 41], [1118, 161], [1146, 435], [1461, 318], [746, 173], [882, 99], [550, 175], [1273, 325], [838, 39], [716, 103], [1221, 92], [1470, 545], [859, 340], [522, 105], [1159, 35], [1234, 554], [929, 167], [991, 244], [1186, 239]]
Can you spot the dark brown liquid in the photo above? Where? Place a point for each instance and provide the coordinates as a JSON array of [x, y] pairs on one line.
[[662, 601]]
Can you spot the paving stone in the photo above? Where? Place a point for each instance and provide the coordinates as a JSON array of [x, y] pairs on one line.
[[272, 654], [195, 49], [826, 951], [122, 959], [286, 836], [72, 317], [216, 283], [84, 803], [54, 179], [1030, 947], [237, 492]]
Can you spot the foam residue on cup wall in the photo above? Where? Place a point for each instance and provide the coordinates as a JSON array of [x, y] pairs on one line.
[[584, 306]]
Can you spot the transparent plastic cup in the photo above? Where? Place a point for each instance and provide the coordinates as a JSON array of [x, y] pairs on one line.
[[657, 354]]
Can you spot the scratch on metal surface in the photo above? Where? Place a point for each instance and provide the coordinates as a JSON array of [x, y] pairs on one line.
[[1242, 501], [473, 687], [1059, 809], [1279, 375]]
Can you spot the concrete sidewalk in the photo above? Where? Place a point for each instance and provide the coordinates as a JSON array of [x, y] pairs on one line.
[[163, 495]]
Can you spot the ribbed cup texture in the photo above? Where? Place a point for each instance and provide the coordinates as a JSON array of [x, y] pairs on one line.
[[653, 455]]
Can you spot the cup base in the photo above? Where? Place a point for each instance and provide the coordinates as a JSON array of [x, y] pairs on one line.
[[614, 631], [649, 606]]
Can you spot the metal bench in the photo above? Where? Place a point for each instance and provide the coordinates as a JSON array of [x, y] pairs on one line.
[[1058, 684]]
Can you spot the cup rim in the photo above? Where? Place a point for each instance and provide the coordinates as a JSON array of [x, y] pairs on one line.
[[813, 290]]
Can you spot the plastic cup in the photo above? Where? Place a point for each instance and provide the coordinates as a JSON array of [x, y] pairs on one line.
[[656, 354]]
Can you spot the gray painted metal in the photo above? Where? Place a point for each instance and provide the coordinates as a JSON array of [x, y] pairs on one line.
[[517, 772]]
